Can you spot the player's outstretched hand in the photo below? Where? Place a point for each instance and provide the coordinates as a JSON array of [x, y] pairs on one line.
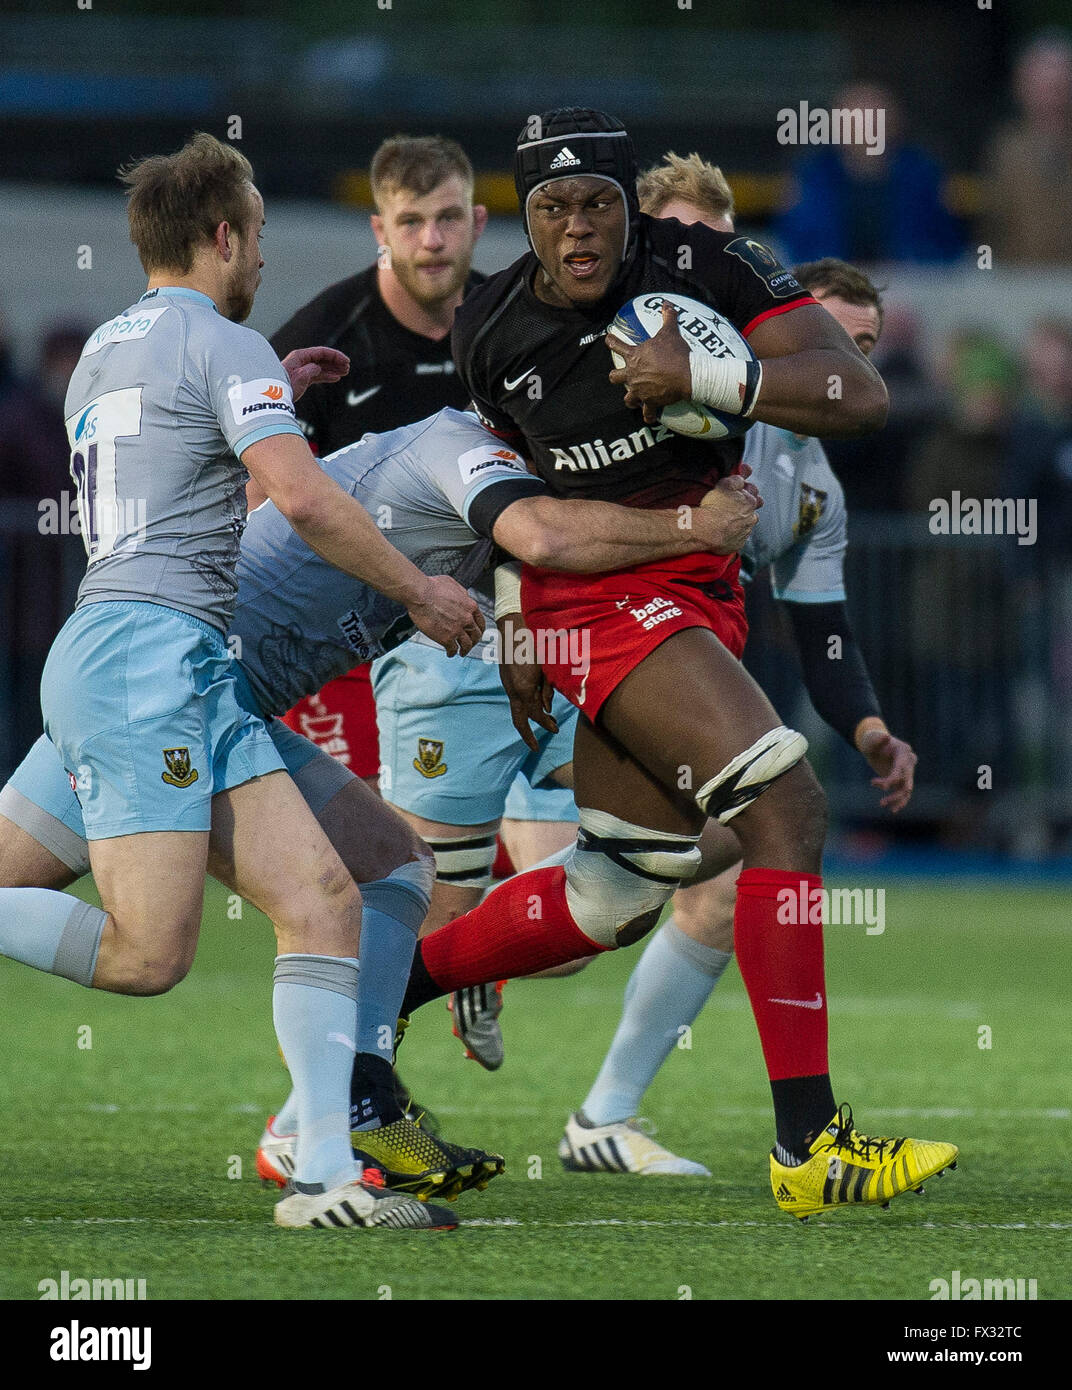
[[657, 372], [894, 762], [529, 691], [314, 366], [728, 513], [448, 615]]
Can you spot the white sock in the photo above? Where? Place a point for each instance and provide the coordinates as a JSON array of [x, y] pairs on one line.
[[672, 982], [315, 1010]]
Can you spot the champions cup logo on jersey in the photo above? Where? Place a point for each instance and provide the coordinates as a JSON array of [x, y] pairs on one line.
[[812, 503], [806, 125], [261, 397]]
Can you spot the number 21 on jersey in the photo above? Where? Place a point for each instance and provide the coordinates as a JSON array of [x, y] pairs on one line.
[[106, 519]]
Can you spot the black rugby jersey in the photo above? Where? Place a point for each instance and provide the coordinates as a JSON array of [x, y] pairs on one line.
[[538, 373], [396, 376]]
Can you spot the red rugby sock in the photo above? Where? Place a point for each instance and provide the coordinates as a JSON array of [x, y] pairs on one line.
[[780, 954], [523, 926]]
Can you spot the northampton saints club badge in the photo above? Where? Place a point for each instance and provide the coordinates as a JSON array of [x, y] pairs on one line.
[[178, 772], [429, 760], [812, 502]]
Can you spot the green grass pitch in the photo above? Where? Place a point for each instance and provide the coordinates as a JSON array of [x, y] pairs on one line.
[[132, 1157]]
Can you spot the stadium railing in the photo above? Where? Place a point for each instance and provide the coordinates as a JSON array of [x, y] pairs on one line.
[[39, 577], [969, 656], [971, 664]]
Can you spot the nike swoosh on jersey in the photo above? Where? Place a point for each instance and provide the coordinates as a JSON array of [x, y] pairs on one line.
[[512, 385], [356, 397], [816, 1003]]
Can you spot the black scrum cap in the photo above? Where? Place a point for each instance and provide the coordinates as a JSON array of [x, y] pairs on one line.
[[574, 140]]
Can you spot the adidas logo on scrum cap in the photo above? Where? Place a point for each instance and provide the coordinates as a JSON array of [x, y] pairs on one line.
[[565, 159]]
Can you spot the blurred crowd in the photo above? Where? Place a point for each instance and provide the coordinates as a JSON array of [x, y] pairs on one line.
[[869, 203], [40, 563]]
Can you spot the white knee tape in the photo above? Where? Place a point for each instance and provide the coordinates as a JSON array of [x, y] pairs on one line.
[[464, 862], [751, 773], [618, 872]]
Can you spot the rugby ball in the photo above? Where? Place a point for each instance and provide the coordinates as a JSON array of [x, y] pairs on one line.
[[706, 331]]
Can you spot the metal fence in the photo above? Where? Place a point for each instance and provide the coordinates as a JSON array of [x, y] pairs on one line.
[[970, 650], [969, 644], [39, 577]]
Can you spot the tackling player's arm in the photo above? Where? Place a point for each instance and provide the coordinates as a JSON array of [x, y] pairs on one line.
[[587, 537], [338, 528]]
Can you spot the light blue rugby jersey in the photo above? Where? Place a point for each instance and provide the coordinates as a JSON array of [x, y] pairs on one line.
[[801, 529], [435, 489], [164, 399]]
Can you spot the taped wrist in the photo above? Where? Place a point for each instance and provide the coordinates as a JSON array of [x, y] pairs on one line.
[[726, 383], [507, 589]]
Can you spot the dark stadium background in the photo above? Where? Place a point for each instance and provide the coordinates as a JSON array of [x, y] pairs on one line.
[[970, 639]]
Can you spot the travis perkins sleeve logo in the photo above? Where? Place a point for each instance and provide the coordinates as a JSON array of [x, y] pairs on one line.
[[428, 761], [179, 772], [812, 502]]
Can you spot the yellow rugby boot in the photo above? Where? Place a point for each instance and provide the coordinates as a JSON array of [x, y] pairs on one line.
[[846, 1168], [416, 1162]]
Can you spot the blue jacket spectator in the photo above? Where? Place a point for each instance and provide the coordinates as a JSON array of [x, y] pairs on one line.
[[869, 207]]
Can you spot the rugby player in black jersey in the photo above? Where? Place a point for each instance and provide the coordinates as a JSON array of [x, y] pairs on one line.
[[392, 320], [675, 729]]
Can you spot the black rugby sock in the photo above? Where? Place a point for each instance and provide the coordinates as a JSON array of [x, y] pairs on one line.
[[372, 1092]]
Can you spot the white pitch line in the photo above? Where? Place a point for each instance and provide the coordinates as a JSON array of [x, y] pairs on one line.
[[636, 1223], [514, 1223], [932, 1112], [1056, 1112]]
